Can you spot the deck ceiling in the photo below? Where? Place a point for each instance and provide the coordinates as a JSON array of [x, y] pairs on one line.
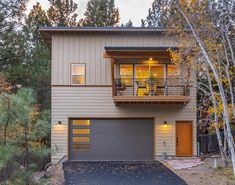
[[138, 52], [151, 99]]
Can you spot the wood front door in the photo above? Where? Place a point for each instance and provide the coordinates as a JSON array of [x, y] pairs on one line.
[[184, 139]]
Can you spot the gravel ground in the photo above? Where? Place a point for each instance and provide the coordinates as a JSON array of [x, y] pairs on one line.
[[119, 173], [205, 174]]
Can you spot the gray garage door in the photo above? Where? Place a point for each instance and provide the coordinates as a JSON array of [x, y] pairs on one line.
[[111, 139]]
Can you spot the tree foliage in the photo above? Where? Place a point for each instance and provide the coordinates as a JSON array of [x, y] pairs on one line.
[[158, 14], [208, 45], [23, 129], [62, 13], [101, 13]]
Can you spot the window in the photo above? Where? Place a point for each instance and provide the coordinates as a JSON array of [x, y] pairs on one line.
[[126, 73], [78, 74], [157, 71], [81, 146], [146, 71], [81, 139], [173, 71], [81, 131], [81, 122]]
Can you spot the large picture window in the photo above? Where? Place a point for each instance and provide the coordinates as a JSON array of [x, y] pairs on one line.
[[78, 74], [173, 71], [126, 73]]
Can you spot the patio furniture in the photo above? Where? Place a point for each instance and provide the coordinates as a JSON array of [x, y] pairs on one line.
[[120, 87], [151, 82], [141, 85]]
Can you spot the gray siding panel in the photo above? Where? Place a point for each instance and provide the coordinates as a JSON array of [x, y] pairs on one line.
[[89, 49]]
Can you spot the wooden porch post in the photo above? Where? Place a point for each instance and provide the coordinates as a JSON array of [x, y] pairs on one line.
[[113, 79]]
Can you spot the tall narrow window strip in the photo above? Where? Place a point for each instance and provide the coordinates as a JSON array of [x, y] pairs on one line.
[[78, 72]]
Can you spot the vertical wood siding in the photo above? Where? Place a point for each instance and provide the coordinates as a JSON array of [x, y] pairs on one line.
[[96, 102], [89, 49]]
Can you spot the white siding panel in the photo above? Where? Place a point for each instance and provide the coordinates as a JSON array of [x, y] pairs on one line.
[[96, 102]]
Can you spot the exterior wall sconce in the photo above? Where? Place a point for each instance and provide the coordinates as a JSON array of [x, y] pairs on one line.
[[165, 123], [59, 122]]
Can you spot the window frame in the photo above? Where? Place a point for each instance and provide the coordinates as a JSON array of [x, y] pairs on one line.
[[71, 74]]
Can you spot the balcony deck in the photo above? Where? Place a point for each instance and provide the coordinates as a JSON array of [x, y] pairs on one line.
[[151, 99], [153, 91]]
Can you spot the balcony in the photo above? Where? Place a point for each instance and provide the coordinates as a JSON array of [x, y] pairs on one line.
[[150, 91]]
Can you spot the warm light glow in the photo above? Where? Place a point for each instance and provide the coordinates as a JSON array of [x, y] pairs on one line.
[[165, 123], [150, 59], [81, 122]]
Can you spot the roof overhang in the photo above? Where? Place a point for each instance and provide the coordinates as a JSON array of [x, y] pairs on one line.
[[47, 32], [138, 52]]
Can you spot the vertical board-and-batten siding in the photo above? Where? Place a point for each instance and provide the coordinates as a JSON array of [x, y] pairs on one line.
[[89, 49], [96, 102]]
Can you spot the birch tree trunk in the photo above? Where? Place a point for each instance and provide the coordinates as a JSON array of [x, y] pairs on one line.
[[216, 120], [220, 86]]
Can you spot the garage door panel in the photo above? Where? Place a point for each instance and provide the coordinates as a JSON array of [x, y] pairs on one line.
[[116, 139]]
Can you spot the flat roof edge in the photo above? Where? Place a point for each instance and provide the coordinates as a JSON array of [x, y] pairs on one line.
[[102, 29]]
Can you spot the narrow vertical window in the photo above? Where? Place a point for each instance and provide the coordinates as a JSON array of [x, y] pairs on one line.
[[78, 74]]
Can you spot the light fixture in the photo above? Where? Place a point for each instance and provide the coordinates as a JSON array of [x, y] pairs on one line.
[[165, 123], [59, 122], [150, 59]]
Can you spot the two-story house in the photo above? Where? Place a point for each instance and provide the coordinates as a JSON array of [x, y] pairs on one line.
[[116, 95]]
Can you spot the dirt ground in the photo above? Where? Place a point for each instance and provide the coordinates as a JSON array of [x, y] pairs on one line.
[[205, 174]]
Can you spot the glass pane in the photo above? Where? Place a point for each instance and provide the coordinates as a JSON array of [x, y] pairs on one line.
[[81, 122], [127, 80], [126, 70], [78, 69], [157, 71], [142, 71], [81, 146], [81, 131], [78, 79], [81, 139], [173, 71]]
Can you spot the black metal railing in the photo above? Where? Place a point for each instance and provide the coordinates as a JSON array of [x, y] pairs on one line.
[[151, 87]]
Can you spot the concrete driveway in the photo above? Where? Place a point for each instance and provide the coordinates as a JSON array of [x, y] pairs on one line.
[[119, 173]]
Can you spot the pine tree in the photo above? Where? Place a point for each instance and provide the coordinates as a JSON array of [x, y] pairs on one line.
[[101, 13], [62, 13], [158, 14], [36, 18], [129, 24]]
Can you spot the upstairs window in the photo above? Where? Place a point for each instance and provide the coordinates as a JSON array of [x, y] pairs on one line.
[[173, 71], [78, 74], [126, 73]]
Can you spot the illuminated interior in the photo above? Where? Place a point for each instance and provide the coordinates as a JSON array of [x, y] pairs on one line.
[[78, 74], [144, 71]]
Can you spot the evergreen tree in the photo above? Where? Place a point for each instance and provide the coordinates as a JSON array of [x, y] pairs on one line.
[[101, 13], [129, 24], [62, 13], [158, 14], [37, 17]]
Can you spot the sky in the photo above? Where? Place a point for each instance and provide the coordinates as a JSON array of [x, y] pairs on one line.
[[129, 9]]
